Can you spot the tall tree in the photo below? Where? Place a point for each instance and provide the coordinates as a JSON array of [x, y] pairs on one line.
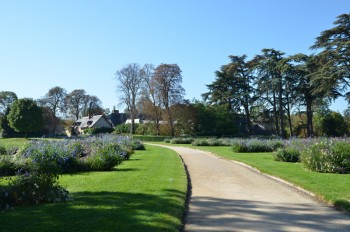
[[334, 76], [130, 82], [92, 105], [306, 70], [6, 100], [270, 84], [54, 101], [74, 102], [167, 81], [233, 87], [150, 97], [25, 116]]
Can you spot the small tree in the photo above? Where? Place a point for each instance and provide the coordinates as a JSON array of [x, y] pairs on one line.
[[25, 116]]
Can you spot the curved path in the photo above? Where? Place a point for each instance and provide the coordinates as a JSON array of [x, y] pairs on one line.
[[226, 196]]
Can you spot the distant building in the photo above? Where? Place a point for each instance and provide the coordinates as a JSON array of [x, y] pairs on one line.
[[96, 121], [117, 118]]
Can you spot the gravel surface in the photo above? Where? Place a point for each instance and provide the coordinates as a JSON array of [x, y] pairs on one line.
[[226, 196]]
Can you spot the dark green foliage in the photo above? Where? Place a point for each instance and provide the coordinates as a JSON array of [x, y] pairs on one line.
[[328, 156], [333, 124], [25, 116], [5, 130], [148, 138], [287, 155], [3, 150], [123, 129], [101, 130], [7, 165], [36, 188]]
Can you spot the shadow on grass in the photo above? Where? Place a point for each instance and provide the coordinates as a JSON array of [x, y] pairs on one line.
[[100, 211], [241, 215]]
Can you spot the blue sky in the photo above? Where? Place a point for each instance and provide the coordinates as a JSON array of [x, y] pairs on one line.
[[78, 44]]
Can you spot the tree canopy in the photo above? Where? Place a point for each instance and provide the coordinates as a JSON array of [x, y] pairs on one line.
[[25, 116]]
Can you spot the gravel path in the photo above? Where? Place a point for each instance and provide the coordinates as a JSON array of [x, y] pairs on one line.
[[226, 196]]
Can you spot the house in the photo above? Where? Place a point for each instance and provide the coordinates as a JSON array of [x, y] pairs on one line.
[[117, 118], [96, 121]]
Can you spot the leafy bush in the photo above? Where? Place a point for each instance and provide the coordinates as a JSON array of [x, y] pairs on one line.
[[7, 165], [287, 155], [101, 130], [105, 157], [328, 156], [3, 150], [36, 188]]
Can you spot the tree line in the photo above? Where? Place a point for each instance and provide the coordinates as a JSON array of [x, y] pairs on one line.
[[271, 89], [272, 93], [42, 116]]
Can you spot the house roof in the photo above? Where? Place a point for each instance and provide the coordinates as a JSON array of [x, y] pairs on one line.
[[85, 122]]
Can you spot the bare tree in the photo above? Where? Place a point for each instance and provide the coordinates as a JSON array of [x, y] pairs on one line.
[[54, 101], [92, 105], [130, 82], [150, 98], [74, 102], [167, 81]]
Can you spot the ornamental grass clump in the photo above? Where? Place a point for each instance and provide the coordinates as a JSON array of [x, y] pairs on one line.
[[256, 145], [181, 140], [330, 155]]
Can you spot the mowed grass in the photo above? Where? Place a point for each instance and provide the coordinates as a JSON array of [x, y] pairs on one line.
[[333, 189], [146, 193], [13, 142]]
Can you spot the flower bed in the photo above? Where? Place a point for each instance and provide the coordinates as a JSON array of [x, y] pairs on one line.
[[40, 162]]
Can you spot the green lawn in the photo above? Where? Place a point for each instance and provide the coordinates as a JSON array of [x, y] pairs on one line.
[[13, 142], [146, 193], [331, 188]]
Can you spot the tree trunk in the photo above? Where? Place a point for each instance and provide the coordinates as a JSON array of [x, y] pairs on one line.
[[275, 113], [280, 108], [289, 121], [249, 124], [309, 115]]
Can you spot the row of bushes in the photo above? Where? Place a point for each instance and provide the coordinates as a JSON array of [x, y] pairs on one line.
[[91, 154], [321, 155], [39, 164]]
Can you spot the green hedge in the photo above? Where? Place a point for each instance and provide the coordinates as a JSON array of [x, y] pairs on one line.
[[148, 138]]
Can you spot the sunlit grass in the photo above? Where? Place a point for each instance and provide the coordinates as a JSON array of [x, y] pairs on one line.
[[146, 193], [13, 142]]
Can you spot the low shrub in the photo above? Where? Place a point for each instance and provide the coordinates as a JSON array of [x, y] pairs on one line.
[[3, 150], [287, 155], [101, 130], [7, 165], [211, 142], [148, 138], [255, 145], [180, 140], [34, 188], [105, 157], [328, 156]]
